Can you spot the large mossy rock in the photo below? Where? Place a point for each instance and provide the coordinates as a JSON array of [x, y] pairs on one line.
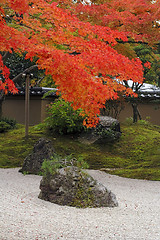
[[73, 187], [43, 149], [108, 130]]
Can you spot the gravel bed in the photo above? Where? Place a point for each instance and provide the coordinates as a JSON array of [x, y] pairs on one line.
[[25, 217]]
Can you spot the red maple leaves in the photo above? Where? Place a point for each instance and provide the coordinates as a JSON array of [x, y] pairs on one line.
[[54, 31]]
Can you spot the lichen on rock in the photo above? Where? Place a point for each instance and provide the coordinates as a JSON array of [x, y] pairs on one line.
[[72, 186]]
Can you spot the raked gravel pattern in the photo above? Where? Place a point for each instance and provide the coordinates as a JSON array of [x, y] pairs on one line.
[[25, 217]]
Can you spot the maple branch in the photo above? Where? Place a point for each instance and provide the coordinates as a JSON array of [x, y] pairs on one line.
[[39, 81], [27, 70], [5, 56]]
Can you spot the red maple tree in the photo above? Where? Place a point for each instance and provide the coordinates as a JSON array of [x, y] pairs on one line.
[[74, 44]]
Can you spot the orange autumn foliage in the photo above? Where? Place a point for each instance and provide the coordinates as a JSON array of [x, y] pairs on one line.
[[54, 30], [139, 18]]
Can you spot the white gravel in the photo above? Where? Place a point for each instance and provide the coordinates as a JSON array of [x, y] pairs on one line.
[[24, 216]]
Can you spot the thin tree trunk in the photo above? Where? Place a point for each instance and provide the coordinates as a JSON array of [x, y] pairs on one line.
[[1, 102], [1, 108], [136, 113], [139, 115]]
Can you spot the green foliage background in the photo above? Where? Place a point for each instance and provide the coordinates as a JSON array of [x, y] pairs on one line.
[[62, 118]]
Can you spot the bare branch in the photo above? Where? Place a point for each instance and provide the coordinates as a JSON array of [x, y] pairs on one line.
[[39, 81], [5, 56], [27, 70]]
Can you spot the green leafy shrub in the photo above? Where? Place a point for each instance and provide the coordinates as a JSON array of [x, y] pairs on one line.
[[63, 118], [11, 122], [49, 167], [129, 121], [7, 124], [4, 127], [40, 127], [143, 122]]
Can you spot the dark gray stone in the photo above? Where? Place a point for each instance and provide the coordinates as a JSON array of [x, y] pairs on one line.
[[43, 149], [108, 130], [73, 187]]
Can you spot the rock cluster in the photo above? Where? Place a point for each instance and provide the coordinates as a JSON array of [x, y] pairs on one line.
[[74, 187], [42, 150]]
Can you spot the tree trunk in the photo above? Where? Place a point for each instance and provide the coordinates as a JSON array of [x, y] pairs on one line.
[[1, 102], [1, 108], [136, 113]]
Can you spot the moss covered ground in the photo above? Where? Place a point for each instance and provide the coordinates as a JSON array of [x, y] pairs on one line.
[[135, 155]]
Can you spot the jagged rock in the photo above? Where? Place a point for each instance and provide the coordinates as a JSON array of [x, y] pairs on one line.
[[42, 150], [107, 130], [74, 187]]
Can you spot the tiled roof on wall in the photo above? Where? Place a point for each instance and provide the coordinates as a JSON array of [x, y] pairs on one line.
[[37, 91]]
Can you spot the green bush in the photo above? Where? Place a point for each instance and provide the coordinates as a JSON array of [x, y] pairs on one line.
[[7, 124], [49, 167], [129, 121], [63, 118], [4, 127], [10, 121]]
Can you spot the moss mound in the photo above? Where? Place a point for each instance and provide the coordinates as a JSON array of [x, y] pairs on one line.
[[135, 155]]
